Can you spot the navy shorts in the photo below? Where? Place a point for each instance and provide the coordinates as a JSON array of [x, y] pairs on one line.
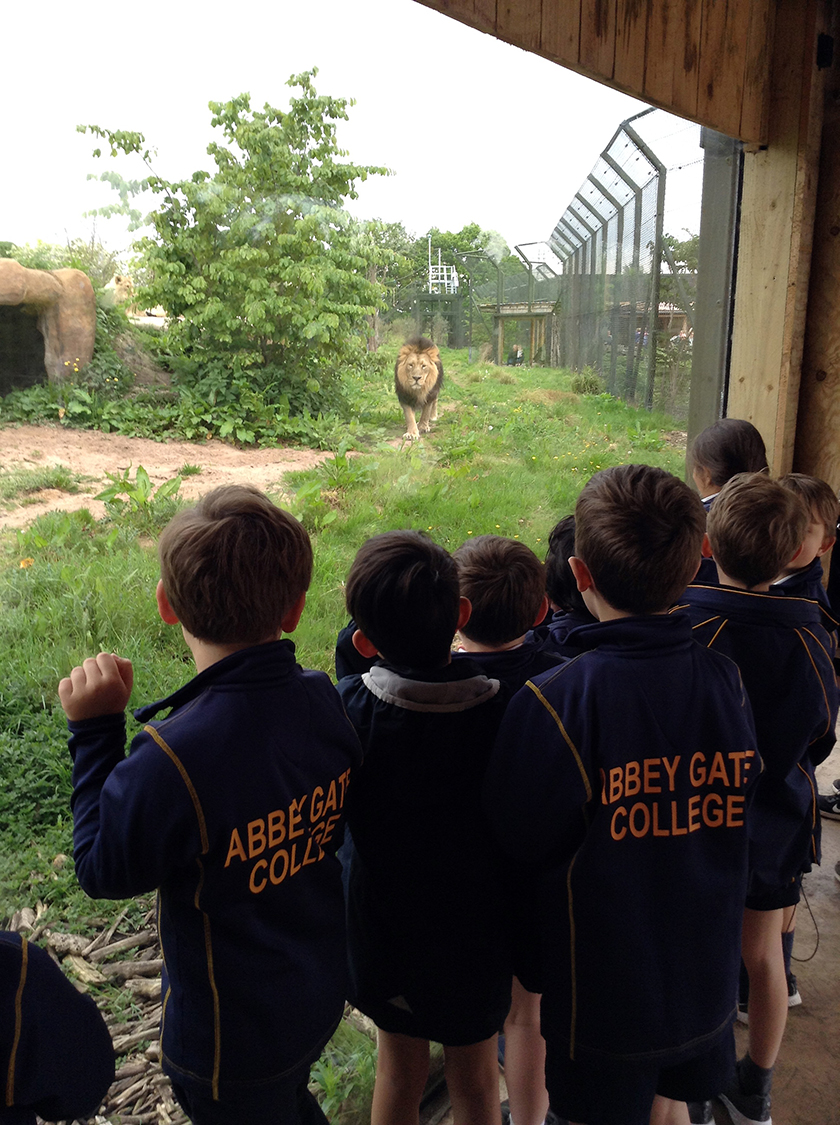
[[778, 899], [609, 1092]]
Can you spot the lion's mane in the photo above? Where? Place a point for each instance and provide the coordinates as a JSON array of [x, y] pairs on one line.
[[418, 357]]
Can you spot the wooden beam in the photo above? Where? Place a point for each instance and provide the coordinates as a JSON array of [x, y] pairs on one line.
[[817, 448], [703, 59], [775, 241]]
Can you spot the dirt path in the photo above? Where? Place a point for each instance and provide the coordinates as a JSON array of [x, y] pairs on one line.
[[93, 454]]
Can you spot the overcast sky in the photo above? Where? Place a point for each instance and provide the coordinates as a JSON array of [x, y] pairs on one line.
[[473, 129]]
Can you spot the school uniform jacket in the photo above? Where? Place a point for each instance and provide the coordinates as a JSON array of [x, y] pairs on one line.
[[424, 908], [807, 583], [232, 806], [513, 666], [785, 657], [552, 637], [625, 774], [56, 1055]]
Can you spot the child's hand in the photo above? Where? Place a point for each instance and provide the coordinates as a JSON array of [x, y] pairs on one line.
[[101, 686]]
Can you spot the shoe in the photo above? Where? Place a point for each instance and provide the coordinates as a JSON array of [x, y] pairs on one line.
[[746, 1109], [794, 999], [700, 1113], [837, 871], [836, 785], [829, 806]]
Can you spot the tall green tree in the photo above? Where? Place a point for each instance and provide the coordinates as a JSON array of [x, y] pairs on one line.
[[259, 257]]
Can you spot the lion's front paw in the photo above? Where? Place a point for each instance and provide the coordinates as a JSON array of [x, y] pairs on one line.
[[411, 437], [425, 428]]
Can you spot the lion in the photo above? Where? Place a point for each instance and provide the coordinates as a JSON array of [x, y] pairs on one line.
[[418, 377]]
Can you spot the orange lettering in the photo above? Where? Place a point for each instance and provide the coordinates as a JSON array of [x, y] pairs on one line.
[[276, 879], [331, 801], [632, 783], [618, 833], [651, 768], [634, 828], [694, 812], [671, 769], [718, 770], [713, 819], [276, 828], [295, 818], [696, 772], [734, 810], [252, 882], [256, 838], [657, 831], [675, 829], [235, 847], [316, 805], [615, 785]]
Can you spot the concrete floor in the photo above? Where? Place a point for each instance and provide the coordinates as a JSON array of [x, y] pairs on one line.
[[806, 1085]]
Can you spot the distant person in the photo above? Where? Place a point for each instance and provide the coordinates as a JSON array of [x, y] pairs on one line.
[[232, 806], [566, 601], [729, 446]]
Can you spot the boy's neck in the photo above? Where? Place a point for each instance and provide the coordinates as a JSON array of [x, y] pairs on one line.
[[475, 646], [728, 580], [206, 653]]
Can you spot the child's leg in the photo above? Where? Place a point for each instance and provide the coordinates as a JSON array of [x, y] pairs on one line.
[[472, 1078], [525, 1058], [665, 1111], [402, 1069], [762, 953]]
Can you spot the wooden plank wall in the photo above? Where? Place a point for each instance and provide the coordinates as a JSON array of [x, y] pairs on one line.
[[774, 258], [703, 59]]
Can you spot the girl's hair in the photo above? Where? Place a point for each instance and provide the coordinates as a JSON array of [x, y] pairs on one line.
[[727, 447]]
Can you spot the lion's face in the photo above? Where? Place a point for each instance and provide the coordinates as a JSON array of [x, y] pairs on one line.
[[417, 373]]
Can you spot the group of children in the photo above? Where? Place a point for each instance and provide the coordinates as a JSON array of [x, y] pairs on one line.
[[570, 826]]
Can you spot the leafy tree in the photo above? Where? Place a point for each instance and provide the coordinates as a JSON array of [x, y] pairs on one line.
[[678, 281], [88, 255], [258, 264]]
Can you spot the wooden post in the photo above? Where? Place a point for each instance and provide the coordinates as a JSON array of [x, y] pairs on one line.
[[817, 448], [774, 255]]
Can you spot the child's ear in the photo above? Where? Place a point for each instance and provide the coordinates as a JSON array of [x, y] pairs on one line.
[[706, 548], [167, 613], [464, 611], [827, 544], [582, 573], [363, 646], [542, 611], [290, 621]]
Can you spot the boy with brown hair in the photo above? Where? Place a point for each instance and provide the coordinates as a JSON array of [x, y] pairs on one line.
[[756, 527], [504, 582], [428, 959], [624, 774], [231, 806], [801, 577]]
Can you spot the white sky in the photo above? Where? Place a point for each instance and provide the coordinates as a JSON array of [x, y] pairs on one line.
[[475, 130]]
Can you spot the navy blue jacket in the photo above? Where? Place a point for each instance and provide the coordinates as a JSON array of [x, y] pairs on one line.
[[514, 666], [785, 657], [552, 636], [807, 583], [232, 806], [624, 774], [56, 1055], [425, 897]]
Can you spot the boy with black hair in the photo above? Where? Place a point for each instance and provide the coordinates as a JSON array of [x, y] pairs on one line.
[[756, 527], [428, 960], [232, 807], [504, 582], [625, 773], [569, 608]]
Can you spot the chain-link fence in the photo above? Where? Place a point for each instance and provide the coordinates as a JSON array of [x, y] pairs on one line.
[[620, 267]]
